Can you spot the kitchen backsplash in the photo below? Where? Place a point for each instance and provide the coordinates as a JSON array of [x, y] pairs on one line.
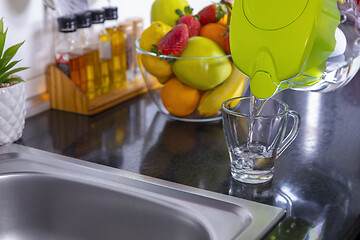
[[32, 21]]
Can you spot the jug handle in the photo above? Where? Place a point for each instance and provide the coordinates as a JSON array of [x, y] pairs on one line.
[[292, 134]]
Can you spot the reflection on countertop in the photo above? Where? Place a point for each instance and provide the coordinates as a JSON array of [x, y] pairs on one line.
[[171, 152], [317, 179]]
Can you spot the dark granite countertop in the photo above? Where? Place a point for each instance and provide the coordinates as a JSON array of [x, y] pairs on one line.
[[317, 179]]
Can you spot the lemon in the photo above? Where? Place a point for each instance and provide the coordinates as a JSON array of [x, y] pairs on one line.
[[153, 35], [159, 68]]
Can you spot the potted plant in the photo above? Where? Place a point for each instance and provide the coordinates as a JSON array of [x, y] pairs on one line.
[[12, 92]]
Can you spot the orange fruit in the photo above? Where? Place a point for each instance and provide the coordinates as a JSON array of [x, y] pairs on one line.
[[179, 99], [224, 20], [215, 32]]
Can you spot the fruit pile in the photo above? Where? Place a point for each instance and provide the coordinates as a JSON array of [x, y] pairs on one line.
[[191, 57]]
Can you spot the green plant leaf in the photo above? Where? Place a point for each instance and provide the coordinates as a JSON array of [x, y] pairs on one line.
[[2, 41], [1, 25], [14, 79], [8, 67], [2, 62], [10, 53], [4, 76]]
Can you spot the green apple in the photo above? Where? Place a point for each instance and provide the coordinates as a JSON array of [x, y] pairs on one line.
[[207, 72], [164, 10]]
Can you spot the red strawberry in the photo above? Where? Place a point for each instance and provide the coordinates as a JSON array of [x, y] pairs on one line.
[[174, 42], [190, 20], [211, 13], [227, 43]]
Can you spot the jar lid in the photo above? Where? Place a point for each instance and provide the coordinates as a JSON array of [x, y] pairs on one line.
[[97, 16], [83, 19], [136, 20], [126, 27], [66, 24], [111, 13]]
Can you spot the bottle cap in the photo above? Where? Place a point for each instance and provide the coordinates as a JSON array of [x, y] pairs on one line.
[[111, 13], [83, 19], [97, 16], [66, 24]]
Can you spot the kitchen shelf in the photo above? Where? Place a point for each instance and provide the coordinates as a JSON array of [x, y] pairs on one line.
[[65, 95]]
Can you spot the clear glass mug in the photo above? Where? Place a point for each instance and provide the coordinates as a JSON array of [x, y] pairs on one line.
[[254, 142]]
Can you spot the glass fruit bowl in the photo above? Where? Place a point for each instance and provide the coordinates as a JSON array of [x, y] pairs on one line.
[[191, 88]]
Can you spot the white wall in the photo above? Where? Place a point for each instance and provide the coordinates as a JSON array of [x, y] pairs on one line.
[[31, 21], [27, 20]]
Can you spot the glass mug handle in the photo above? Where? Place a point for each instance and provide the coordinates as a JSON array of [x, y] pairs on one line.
[[292, 134]]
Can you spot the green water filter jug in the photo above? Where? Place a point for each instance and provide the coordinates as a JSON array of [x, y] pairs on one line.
[[299, 44]]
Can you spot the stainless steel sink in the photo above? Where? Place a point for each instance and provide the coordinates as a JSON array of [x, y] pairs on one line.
[[48, 196]]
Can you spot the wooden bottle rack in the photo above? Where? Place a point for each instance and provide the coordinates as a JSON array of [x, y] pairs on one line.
[[65, 96]]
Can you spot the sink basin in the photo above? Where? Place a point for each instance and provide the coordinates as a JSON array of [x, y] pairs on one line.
[[48, 196]]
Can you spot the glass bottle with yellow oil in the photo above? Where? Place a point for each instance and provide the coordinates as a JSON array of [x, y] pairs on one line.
[[99, 31], [118, 47], [91, 54], [69, 51]]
